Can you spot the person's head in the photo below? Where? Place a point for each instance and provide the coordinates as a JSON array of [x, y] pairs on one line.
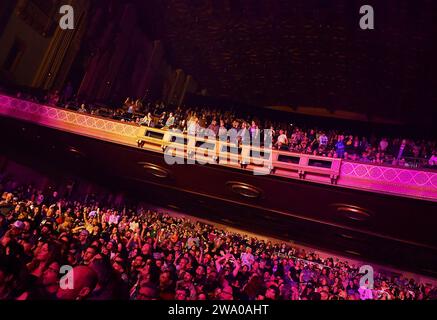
[[147, 291], [17, 228], [84, 280], [227, 293], [110, 246], [46, 252], [324, 295], [96, 229], [245, 268], [103, 270], [181, 294], [272, 293], [187, 277], [89, 254], [159, 263], [50, 276], [118, 265], [17, 208], [183, 262], [138, 262], [146, 249], [83, 236], [164, 278], [200, 271]]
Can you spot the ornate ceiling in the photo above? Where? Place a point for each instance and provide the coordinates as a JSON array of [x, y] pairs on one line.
[[313, 53]]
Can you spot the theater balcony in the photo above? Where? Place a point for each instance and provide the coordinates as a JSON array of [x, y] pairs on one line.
[[379, 213]]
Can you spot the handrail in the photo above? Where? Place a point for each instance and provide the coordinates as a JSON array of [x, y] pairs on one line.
[[404, 181], [269, 158], [155, 116]]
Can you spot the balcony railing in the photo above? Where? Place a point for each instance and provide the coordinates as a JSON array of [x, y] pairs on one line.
[[366, 176]]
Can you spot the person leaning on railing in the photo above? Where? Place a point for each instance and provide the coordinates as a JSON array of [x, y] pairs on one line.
[[433, 159]]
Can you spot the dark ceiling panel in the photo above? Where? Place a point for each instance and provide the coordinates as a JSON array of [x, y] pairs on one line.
[[304, 52]]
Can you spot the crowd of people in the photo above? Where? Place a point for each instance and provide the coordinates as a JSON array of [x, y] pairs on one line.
[[295, 138], [138, 254], [396, 151]]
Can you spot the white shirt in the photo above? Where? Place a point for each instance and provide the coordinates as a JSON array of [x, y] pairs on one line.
[[113, 219], [323, 140], [433, 160], [247, 259], [383, 145], [134, 225], [222, 131], [170, 121], [193, 128], [282, 138]]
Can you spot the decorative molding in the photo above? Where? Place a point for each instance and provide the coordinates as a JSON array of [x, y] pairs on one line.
[[46, 113], [390, 174], [390, 179]]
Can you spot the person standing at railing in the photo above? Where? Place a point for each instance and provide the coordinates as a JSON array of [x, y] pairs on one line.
[[147, 120], [192, 131], [402, 150], [383, 144], [170, 121], [255, 134], [130, 110], [323, 140], [339, 147], [214, 127], [233, 133], [433, 160], [82, 109], [244, 137], [282, 141], [222, 132]]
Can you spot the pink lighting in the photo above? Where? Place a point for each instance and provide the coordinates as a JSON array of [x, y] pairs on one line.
[[375, 178]]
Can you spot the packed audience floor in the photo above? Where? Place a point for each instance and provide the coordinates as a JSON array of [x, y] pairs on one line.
[[121, 251], [301, 138]]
